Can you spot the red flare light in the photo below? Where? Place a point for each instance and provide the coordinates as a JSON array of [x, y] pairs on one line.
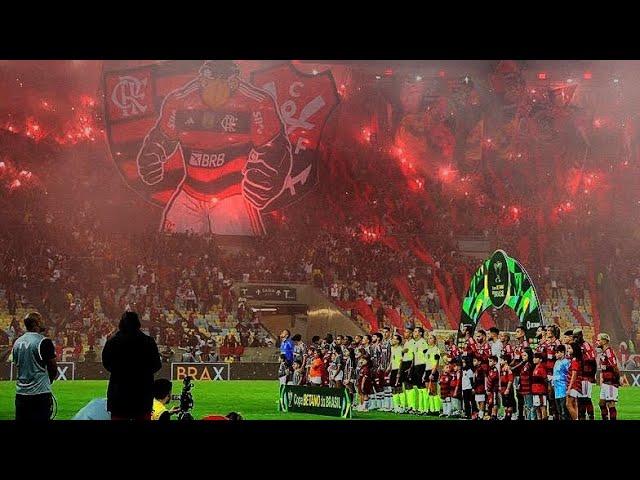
[[446, 174]]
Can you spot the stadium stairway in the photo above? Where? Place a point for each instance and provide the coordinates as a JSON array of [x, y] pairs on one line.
[[323, 316]]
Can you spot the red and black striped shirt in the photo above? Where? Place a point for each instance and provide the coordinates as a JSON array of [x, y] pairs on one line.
[[539, 380], [609, 367], [215, 144], [479, 382], [445, 383], [493, 377]]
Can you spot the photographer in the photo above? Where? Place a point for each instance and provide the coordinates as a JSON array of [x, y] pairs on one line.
[[161, 396]]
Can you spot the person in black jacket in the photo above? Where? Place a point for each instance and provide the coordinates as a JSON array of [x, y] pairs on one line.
[[132, 358]]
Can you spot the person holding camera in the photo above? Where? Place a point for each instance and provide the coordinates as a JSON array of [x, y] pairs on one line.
[[161, 396]]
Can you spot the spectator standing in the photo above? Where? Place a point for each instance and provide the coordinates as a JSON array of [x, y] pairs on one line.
[[132, 358]]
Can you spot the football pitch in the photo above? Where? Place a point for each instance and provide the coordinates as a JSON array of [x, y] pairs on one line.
[[253, 399]]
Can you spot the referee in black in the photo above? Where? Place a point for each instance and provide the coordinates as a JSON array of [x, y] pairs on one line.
[[35, 358]]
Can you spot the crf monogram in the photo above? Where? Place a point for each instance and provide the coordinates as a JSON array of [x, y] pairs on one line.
[[128, 95], [229, 123]]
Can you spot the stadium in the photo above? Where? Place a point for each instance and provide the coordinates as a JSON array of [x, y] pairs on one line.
[[376, 240]]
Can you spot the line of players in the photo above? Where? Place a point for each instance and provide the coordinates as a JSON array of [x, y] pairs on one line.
[[554, 381], [403, 373], [372, 367]]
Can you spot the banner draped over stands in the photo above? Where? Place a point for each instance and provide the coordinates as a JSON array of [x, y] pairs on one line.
[[180, 136], [454, 302], [403, 287], [396, 320], [367, 313], [442, 294]]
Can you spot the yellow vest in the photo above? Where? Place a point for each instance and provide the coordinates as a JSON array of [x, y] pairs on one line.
[[158, 409], [421, 345], [410, 346], [431, 357], [396, 357]]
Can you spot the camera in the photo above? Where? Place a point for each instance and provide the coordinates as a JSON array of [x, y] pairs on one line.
[[186, 400]]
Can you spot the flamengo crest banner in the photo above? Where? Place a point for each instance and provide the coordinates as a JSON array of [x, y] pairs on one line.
[[216, 155], [333, 402]]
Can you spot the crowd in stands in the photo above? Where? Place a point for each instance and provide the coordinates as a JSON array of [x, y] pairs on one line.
[[82, 275], [379, 238]]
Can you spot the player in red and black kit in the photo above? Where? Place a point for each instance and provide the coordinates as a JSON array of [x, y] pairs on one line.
[[589, 367], [609, 378], [539, 389], [507, 349], [235, 150], [492, 386], [480, 387], [469, 348], [521, 343], [483, 349], [506, 387]]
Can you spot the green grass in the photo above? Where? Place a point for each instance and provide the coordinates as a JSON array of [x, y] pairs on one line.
[[254, 399]]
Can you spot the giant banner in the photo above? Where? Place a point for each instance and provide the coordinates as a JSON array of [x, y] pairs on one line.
[[500, 281], [216, 151]]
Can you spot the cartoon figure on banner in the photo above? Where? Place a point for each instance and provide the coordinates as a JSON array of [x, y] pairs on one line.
[[236, 153]]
